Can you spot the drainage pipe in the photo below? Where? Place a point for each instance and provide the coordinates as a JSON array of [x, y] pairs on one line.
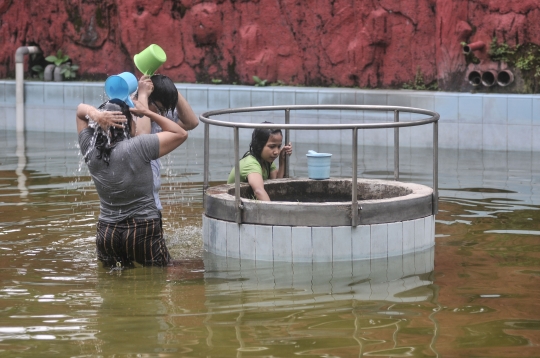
[[58, 73], [475, 78], [489, 78], [478, 45], [504, 78], [48, 73], [19, 82]]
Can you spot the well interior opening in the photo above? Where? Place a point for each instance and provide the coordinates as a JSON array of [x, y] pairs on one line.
[[322, 191]]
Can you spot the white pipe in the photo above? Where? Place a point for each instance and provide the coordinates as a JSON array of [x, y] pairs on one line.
[[19, 82]]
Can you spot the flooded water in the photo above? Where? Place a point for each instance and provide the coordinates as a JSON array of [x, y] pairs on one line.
[[475, 294]]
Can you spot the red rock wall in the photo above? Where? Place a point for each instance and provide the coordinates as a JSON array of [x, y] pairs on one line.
[[369, 43]]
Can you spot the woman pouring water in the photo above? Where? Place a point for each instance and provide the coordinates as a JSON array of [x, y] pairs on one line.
[[257, 164], [129, 227]]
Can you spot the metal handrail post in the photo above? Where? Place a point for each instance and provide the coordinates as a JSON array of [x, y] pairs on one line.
[[287, 121], [237, 201], [206, 160], [206, 154], [396, 147], [435, 167], [354, 183]]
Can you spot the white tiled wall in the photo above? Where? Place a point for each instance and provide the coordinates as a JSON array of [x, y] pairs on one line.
[[468, 121], [264, 243]]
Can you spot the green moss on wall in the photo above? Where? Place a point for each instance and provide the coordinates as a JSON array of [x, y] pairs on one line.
[[524, 57]]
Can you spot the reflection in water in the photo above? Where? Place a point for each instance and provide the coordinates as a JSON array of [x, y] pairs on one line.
[[21, 165], [477, 296], [320, 308]]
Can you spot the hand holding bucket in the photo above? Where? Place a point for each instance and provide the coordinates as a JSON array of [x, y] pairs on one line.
[[149, 60], [121, 86]]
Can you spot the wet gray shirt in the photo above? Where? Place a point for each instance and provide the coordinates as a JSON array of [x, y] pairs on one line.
[[125, 185]]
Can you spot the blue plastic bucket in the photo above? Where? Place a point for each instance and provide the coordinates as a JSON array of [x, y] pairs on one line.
[[121, 86], [318, 165]]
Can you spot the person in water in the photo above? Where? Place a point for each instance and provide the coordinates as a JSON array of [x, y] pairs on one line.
[[129, 227], [257, 164], [160, 95]]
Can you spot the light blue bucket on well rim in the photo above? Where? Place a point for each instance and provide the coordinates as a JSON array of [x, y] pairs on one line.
[[318, 165]]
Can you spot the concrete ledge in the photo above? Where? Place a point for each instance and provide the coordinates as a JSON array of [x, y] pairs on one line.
[[380, 201]]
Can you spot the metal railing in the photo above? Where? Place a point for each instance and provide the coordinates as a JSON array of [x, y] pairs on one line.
[[396, 124]]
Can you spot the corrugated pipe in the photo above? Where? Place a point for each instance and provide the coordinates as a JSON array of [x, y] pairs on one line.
[[475, 78], [504, 78], [489, 78], [475, 46], [19, 82]]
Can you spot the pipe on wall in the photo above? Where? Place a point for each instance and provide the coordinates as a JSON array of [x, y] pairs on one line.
[[475, 78], [48, 73], [504, 78], [58, 73], [489, 78], [475, 46], [19, 82]]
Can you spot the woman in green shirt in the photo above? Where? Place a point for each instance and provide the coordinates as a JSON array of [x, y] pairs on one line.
[[258, 165]]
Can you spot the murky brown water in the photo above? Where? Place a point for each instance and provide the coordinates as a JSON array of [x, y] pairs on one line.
[[480, 300]]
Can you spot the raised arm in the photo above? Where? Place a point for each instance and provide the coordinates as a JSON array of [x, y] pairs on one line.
[[172, 134], [188, 118], [103, 118], [144, 90]]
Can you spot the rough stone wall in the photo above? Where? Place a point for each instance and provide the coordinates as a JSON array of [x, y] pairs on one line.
[[364, 43]]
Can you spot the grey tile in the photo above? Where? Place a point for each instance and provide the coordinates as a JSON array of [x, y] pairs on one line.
[[520, 110], [262, 97], [9, 94], [94, 94], [329, 97], [375, 98], [33, 93], [11, 121], [470, 108], [2, 92], [496, 109], [284, 98], [198, 98], [218, 98], [470, 136], [447, 106], [536, 110], [73, 94], [34, 119], [240, 98], [519, 137], [54, 94], [495, 137]]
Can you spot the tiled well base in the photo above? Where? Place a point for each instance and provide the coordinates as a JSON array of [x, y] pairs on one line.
[[317, 244]]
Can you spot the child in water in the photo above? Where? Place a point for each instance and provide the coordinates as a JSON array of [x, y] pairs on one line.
[[258, 165]]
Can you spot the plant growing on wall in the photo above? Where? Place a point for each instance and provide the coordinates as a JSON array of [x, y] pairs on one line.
[[259, 82], [525, 57], [69, 70]]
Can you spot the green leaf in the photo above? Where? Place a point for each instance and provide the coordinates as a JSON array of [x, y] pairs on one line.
[[50, 58]]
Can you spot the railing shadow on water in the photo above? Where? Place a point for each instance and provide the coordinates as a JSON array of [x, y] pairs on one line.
[[433, 117]]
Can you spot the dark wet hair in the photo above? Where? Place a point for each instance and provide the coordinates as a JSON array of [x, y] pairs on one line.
[[259, 138], [164, 91], [105, 144]]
